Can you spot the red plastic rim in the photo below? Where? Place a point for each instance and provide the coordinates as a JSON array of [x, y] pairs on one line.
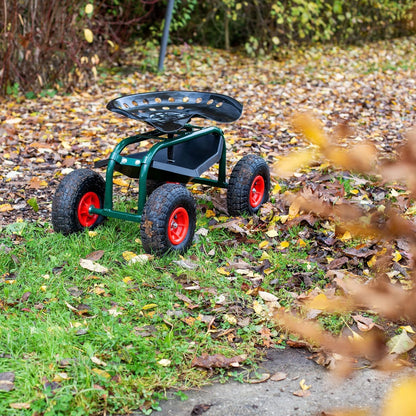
[[178, 226], [257, 191], [84, 217]]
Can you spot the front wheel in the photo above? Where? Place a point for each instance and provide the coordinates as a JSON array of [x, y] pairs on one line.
[[169, 219], [249, 186], [77, 192]]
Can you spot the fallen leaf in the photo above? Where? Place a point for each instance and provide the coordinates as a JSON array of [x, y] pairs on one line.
[[263, 377], [401, 400], [7, 381], [400, 344], [20, 406], [279, 376], [6, 207], [268, 297], [199, 409], [97, 361], [92, 266], [164, 362], [302, 393], [101, 373], [364, 323], [272, 233], [186, 264], [303, 385], [95, 255]]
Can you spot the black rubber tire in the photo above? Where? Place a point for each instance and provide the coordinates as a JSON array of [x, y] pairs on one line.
[[68, 196], [152, 185], [158, 209], [240, 184]]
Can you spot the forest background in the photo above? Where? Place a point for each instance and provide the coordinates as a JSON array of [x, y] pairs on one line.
[[61, 45]]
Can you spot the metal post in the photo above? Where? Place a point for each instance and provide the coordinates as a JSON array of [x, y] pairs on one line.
[[165, 37]]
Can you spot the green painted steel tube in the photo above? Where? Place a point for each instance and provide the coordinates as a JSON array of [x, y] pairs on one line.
[[193, 132]]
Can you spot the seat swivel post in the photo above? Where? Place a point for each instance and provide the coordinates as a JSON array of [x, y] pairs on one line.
[[170, 150]]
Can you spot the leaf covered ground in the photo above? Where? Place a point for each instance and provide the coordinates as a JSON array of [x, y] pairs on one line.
[[127, 317]]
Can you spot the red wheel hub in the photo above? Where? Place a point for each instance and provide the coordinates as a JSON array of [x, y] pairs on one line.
[[178, 225], [84, 217], [257, 191]]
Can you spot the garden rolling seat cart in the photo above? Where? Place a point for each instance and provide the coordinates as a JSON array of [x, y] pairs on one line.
[[180, 153]]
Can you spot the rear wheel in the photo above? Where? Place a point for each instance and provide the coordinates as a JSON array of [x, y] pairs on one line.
[[168, 221], [77, 192], [249, 186]]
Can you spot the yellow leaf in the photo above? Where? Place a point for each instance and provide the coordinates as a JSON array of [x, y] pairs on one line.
[[346, 236], [231, 319], [372, 261], [277, 188], [408, 329], [98, 290], [222, 271], [272, 233], [128, 255], [400, 344], [210, 213], [89, 8], [294, 209], [264, 256], [92, 233], [257, 307], [301, 243], [311, 129], [289, 164], [411, 210], [284, 244], [120, 182], [89, 37], [101, 373], [189, 320], [263, 244], [127, 279], [149, 306], [303, 386], [164, 362], [60, 377], [397, 256], [6, 207], [402, 399]]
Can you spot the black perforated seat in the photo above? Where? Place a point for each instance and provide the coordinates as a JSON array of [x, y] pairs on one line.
[[169, 111]]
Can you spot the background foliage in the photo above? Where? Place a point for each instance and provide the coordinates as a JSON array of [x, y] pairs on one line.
[[54, 44]]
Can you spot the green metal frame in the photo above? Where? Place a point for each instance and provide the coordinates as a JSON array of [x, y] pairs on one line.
[[189, 133]]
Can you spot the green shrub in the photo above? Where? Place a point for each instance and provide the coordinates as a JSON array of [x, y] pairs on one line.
[[264, 26]]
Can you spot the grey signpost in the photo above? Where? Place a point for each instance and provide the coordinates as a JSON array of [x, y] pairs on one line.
[[165, 36]]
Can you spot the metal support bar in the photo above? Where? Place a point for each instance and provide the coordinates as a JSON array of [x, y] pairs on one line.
[[165, 37]]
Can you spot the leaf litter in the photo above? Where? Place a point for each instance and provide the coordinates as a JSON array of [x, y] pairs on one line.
[[367, 111]]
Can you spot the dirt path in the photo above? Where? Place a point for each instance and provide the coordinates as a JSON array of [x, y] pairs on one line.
[[366, 389]]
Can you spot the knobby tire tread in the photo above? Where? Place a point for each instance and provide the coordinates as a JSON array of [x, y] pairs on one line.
[[240, 182], [159, 206], [67, 196]]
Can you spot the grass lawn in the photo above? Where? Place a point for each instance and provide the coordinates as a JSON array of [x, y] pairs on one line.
[[79, 341]]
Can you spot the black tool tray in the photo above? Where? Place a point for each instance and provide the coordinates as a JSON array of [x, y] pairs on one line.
[[189, 159]]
